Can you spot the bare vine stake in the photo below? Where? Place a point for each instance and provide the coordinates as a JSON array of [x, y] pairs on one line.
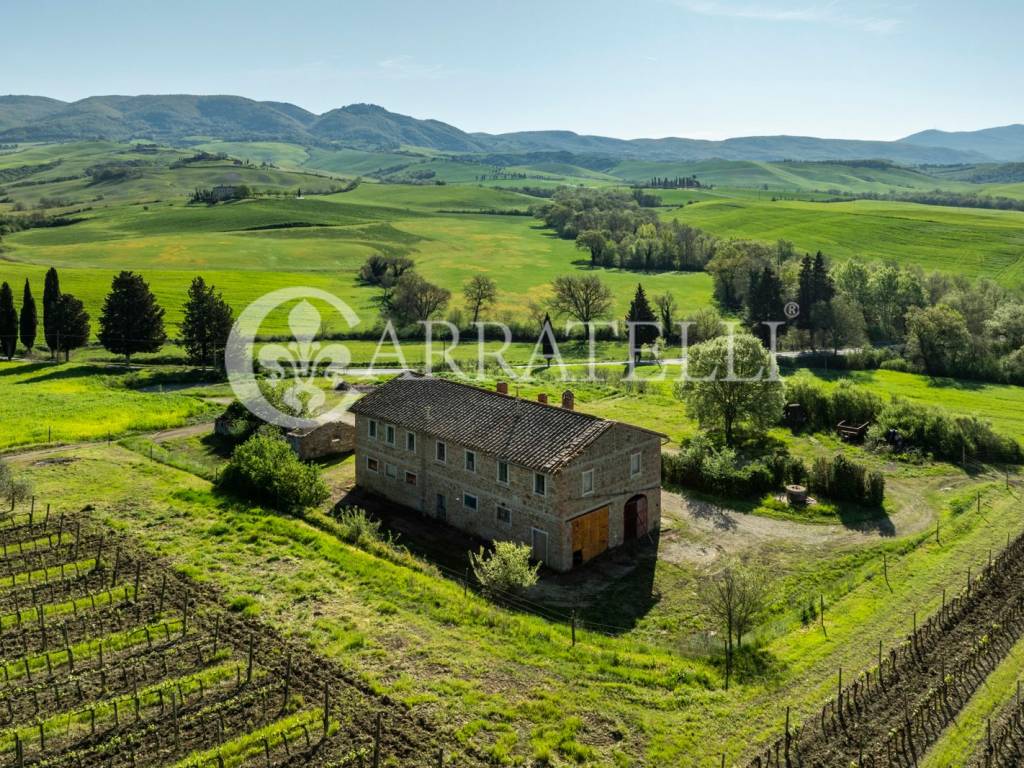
[[885, 570], [248, 670], [821, 613], [327, 708], [376, 741]]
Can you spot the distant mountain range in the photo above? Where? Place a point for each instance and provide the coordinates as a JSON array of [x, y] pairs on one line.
[[180, 119]]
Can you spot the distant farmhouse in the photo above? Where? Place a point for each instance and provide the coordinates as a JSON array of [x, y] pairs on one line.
[[568, 484]]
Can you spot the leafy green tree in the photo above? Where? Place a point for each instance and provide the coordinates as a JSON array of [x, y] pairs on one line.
[[28, 321], [131, 321], [480, 292], [937, 338], [8, 322], [206, 325], [1006, 327], [731, 267], [842, 323], [584, 298], [265, 469], [703, 325], [641, 319], [732, 381], [51, 295], [593, 241], [70, 325], [667, 308], [416, 300]]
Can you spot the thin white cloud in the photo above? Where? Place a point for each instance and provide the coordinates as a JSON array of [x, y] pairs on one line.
[[408, 68], [819, 13]]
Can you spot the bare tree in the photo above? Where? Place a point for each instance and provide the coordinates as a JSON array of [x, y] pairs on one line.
[[732, 599], [480, 292], [416, 300], [583, 298]]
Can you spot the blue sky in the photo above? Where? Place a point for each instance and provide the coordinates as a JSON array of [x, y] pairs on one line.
[[695, 68]]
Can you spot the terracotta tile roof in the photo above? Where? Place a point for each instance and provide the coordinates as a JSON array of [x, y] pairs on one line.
[[537, 436]]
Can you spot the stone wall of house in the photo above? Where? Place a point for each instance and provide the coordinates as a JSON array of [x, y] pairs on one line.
[[514, 511], [328, 439]]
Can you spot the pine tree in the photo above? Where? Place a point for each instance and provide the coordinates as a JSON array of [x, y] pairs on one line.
[[51, 295], [207, 324], [70, 324], [8, 322], [764, 303], [805, 292], [28, 323], [639, 315], [131, 321]]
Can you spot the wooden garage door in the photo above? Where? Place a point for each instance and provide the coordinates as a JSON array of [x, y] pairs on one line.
[[590, 534]]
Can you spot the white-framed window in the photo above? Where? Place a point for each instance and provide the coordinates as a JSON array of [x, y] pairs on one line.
[[389, 434], [588, 482], [372, 464], [503, 472], [471, 461], [410, 478], [410, 441], [371, 428], [390, 471], [441, 452], [504, 516], [635, 464], [470, 501], [540, 484]]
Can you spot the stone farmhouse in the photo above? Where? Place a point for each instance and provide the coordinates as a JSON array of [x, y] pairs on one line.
[[568, 484]]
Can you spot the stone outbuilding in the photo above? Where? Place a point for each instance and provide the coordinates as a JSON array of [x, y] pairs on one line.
[[568, 484], [328, 438]]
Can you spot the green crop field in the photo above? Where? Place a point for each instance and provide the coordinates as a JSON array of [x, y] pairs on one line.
[[969, 241]]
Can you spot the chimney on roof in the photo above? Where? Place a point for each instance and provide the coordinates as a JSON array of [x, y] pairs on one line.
[[568, 400], [542, 398], [502, 388]]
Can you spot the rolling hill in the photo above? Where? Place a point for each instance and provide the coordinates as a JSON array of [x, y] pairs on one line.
[[1005, 144], [184, 119]]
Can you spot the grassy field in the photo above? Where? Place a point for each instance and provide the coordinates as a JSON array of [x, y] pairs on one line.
[[509, 685], [970, 241], [246, 249], [70, 403]]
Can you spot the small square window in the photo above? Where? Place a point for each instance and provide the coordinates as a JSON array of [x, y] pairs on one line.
[[503, 472], [504, 516], [390, 471], [540, 484], [441, 452], [634, 464], [471, 461], [588, 482], [371, 428], [389, 431], [410, 441], [372, 465], [470, 501], [410, 478]]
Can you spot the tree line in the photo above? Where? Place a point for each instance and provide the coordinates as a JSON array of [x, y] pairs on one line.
[[131, 320]]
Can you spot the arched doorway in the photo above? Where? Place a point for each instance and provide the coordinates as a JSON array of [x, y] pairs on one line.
[[635, 518]]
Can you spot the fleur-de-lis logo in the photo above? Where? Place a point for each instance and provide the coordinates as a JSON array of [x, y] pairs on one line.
[[287, 383]]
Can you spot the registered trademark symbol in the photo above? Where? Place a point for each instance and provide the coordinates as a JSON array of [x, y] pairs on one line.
[[792, 309]]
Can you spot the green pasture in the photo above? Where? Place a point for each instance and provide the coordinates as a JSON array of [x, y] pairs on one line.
[[70, 403], [970, 241]]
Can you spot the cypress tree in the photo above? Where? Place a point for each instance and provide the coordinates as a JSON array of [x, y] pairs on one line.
[[131, 321], [8, 322], [640, 312], [28, 323], [207, 323], [764, 303], [805, 292], [51, 295], [547, 336], [70, 324], [824, 288]]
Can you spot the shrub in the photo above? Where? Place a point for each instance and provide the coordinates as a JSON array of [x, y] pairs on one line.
[[703, 466], [357, 527], [266, 470], [842, 479], [506, 569]]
